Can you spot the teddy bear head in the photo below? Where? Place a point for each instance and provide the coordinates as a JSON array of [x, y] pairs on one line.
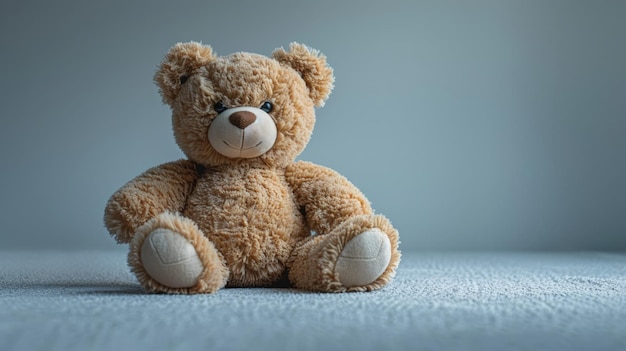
[[243, 108]]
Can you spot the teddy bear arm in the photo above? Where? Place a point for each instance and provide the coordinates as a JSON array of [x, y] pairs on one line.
[[327, 198], [160, 189]]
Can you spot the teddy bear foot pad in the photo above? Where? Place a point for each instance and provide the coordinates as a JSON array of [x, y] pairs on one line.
[[170, 259], [364, 258]]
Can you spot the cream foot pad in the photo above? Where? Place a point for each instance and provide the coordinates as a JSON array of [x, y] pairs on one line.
[[364, 258], [170, 259]]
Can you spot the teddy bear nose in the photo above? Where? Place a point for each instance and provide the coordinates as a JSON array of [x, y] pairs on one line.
[[242, 119]]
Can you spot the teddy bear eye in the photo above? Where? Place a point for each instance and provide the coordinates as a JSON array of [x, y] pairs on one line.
[[267, 107], [183, 79], [219, 107]]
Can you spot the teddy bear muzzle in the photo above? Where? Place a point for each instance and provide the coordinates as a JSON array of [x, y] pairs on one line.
[[242, 132]]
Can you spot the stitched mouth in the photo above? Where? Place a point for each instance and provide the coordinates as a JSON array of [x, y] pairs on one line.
[[242, 149]]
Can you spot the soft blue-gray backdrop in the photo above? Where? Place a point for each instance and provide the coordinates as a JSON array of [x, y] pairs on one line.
[[482, 125]]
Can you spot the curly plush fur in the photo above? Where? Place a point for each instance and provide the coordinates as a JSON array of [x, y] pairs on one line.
[[249, 219]]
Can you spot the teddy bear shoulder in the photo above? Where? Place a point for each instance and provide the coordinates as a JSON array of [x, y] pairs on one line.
[[301, 173]]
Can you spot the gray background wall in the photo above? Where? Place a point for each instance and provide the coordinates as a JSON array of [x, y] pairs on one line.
[[479, 125]]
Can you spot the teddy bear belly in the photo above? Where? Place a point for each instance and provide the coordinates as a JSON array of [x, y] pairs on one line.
[[253, 222]]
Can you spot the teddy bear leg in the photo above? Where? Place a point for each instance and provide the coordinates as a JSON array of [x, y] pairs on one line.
[[170, 254], [361, 254]]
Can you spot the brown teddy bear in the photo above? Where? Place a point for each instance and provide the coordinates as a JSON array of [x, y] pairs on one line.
[[239, 212]]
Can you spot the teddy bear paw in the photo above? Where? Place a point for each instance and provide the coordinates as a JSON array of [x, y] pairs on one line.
[[364, 258], [170, 259]]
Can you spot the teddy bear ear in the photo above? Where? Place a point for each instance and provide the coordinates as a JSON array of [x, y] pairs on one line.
[[181, 60], [312, 67]]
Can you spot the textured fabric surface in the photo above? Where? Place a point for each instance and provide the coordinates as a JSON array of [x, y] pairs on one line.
[[481, 301]]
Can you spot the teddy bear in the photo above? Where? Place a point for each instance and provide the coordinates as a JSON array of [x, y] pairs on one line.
[[240, 211]]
